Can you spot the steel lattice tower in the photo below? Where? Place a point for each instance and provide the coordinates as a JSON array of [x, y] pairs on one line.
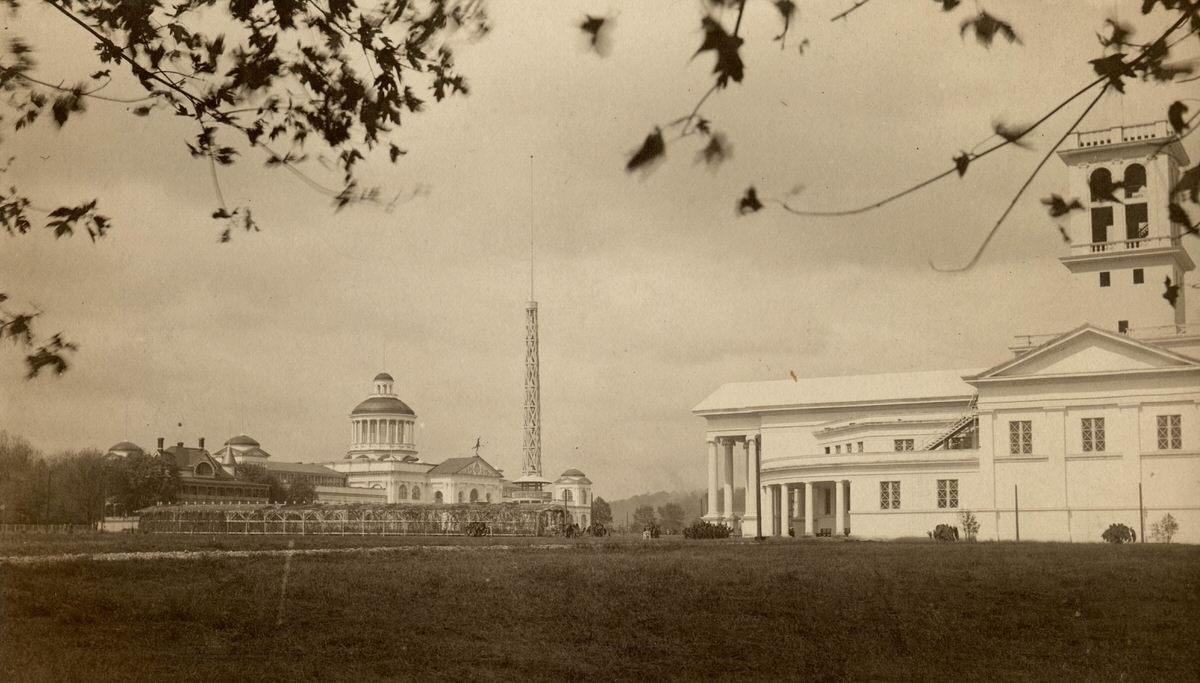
[[532, 463]]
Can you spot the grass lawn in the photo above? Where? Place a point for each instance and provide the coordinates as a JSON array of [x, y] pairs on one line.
[[613, 610]]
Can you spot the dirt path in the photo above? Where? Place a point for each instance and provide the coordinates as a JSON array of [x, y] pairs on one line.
[[220, 554]]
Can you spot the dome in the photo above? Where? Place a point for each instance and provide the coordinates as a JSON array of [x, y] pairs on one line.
[[126, 447], [384, 377], [572, 473], [242, 440], [382, 405]]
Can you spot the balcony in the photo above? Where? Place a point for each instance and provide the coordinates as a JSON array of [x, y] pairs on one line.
[[1127, 244], [1119, 134]]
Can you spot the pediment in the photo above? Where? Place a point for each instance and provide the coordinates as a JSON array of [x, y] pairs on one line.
[[1089, 351]]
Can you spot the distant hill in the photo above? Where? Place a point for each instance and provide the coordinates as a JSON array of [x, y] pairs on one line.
[[690, 500]]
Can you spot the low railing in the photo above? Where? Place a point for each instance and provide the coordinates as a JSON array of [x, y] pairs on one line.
[[1127, 244], [1118, 134], [1028, 341]]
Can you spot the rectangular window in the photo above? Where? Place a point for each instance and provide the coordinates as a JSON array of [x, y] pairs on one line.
[[1093, 434], [947, 493], [1105, 279], [889, 495], [860, 447], [1123, 326], [1139, 276], [828, 507], [827, 450], [837, 448], [1170, 432], [1102, 218], [1020, 437], [903, 444], [1137, 224]]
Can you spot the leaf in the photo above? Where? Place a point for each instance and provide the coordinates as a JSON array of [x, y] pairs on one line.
[[395, 152], [987, 27], [1171, 292], [1175, 114], [1114, 68], [716, 151], [596, 31], [1189, 182], [1120, 33], [961, 162], [141, 111], [64, 106], [749, 202], [948, 5], [787, 10], [729, 63], [652, 148], [1177, 215], [1011, 133], [1059, 206], [702, 125], [1102, 188], [1065, 237]]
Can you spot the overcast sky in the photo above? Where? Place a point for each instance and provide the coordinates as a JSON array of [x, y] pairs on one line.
[[652, 292]]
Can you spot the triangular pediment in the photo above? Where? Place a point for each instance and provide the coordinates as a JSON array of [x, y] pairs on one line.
[[1089, 351], [474, 466]]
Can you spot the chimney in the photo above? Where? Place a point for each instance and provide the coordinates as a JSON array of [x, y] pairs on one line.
[[202, 443], [160, 442]]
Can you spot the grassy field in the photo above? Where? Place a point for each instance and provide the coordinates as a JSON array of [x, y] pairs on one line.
[[619, 610]]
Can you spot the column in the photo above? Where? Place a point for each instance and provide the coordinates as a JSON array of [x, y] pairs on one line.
[[712, 515], [727, 483], [785, 510], [839, 507], [753, 492], [768, 516], [808, 508]]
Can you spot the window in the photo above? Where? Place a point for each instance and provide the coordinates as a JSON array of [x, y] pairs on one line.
[[416, 493], [474, 495], [489, 496], [462, 496], [1170, 432], [1101, 184], [1093, 434], [1139, 276], [1020, 437], [827, 450], [1135, 180], [828, 507], [860, 447], [402, 492], [1137, 223], [437, 497], [889, 495], [1105, 279], [1102, 220], [837, 448], [1123, 326], [567, 495], [903, 444], [947, 493]]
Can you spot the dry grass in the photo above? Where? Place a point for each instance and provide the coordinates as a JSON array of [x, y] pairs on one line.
[[616, 610]]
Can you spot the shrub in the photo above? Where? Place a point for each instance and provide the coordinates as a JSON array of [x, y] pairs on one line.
[[477, 529], [944, 533], [702, 529], [970, 525], [1118, 533], [1164, 529], [598, 530]]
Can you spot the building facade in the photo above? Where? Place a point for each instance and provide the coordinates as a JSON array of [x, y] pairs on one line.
[[1076, 431]]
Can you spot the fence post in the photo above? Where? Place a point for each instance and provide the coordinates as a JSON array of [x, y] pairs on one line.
[[1017, 511]]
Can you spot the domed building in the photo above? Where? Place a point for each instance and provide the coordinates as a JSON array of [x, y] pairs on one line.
[[574, 490], [382, 426], [125, 448], [242, 450]]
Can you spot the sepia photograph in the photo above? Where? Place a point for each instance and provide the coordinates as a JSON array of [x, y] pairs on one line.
[[565, 340]]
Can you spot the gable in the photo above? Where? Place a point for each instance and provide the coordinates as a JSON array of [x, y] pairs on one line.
[[474, 466], [1089, 351]]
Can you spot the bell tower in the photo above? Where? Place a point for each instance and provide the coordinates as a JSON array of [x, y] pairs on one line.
[[1123, 243]]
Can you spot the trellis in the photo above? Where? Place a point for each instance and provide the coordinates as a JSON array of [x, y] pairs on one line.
[[399, 519]]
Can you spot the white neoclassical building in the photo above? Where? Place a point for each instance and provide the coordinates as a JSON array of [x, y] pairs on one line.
[[1076, 431]]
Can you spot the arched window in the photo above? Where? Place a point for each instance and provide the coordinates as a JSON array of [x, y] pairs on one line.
[[583, 520], [402, 492], [204, 470], [437, 497], [474, 495], [1101, 184], [1135, 180], [416, 492], [489, 496], [567, 495], [462, 496]]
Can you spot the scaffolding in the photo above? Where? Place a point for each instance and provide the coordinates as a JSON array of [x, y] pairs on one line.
[[400, 519]]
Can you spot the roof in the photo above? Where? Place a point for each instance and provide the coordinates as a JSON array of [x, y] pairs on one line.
[[126, 446], [572, 473], [458, 465], [301, 467], [242, 440], [187, 458], [382, 405], [823, 391], [384, 377], [573, 480]]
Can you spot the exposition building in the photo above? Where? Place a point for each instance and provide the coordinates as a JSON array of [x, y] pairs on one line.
[[1075, 431]]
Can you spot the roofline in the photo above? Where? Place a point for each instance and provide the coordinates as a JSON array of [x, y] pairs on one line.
[[792, 407]]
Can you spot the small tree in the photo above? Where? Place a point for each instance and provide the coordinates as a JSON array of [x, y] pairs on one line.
[[644, 517], [970, 525], [671, 517], [1164, 529], [601, 511], [299, 492]]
